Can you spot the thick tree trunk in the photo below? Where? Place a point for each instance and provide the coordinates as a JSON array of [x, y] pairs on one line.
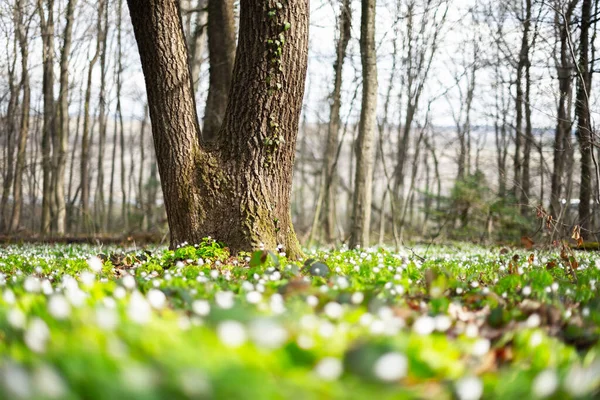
[[48, 128], [363, 183], [584, 126], [238, 192], [221, 52]]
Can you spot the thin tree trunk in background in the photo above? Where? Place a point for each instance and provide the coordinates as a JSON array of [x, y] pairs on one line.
[[72, 197], [21, 32], [11, 132], [383, 130], [49, 126], [113, 162], [141, 191], [529, 139], [329, 174], [124, 204], [520, 137], [564, 70], [33, 181], [62, 141], [584, 126], [221, 49], [363, 181], [85, 136], [100, 210], [197, 42]]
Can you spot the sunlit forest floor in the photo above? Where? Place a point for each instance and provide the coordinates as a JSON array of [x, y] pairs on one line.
[[466, 322]]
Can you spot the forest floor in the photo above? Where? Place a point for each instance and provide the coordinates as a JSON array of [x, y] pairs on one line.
[[444, 322]]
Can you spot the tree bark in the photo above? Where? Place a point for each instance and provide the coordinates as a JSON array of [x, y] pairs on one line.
[[85, 136], [361, 205], [100, 210], [239, 191], [584, 126], [48, 128], [564, 70], [11, 132], [520, 137], [529, 139], [21, 33], [330, 175], [63, 128], [197, 42], [221, 51]]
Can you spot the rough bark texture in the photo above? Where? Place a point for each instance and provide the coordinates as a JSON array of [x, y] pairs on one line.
[[221, 52], [330, 176], [239, 191], [361, 207], [584, 126]]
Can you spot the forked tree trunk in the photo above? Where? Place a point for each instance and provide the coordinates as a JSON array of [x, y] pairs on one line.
[[221, 49], [238, 192], [363, 181]]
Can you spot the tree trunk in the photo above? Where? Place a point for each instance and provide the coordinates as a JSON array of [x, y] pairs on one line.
[[529, 140], [124, 203], [584, 126], [100, 211], [239, 191], [221, 49], [520, 137], [85, 136], [63, 127], [141, 191], [329, 161], [48, 128], [564, 68], [361, 207], [11, 131], [196, 43], [21, 33]]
